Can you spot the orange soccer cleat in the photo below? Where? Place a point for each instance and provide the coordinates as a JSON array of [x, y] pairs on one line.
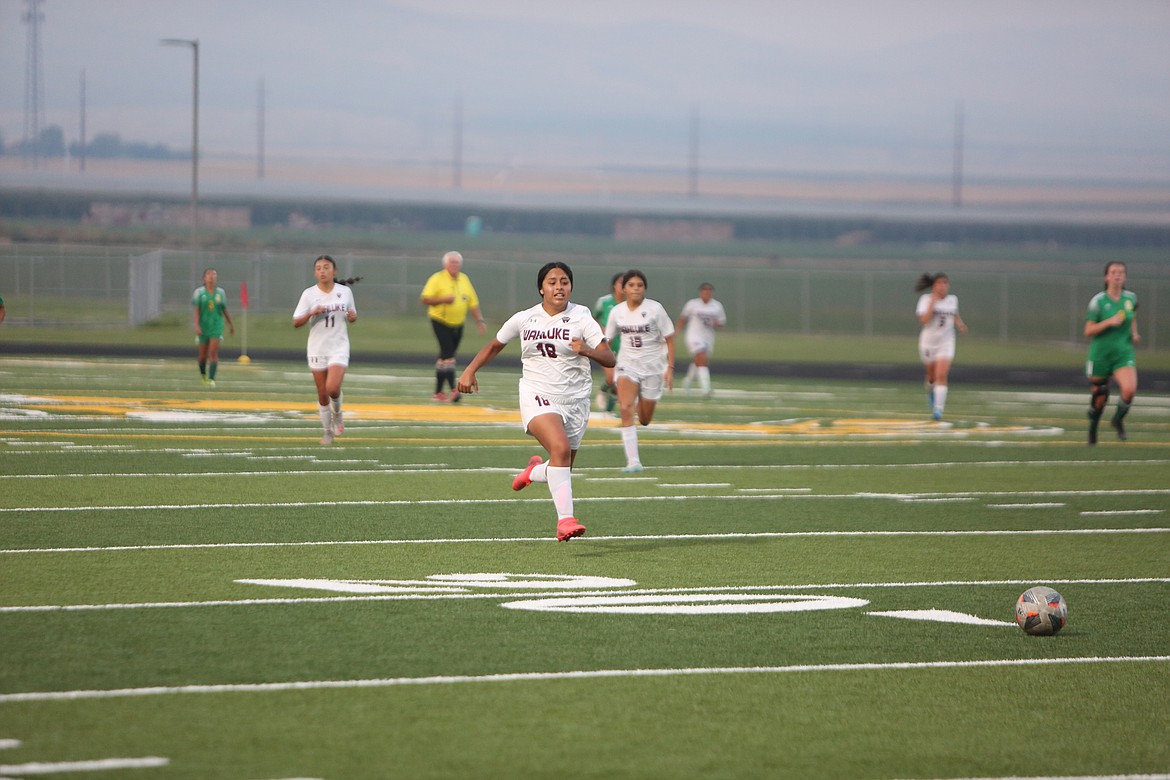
[[524, 478], [568, 528]]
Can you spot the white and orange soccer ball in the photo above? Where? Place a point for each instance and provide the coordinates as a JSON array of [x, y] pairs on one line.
[[1041, 611]]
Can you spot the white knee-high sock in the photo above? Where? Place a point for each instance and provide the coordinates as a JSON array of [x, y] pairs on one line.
[[705, 379], [690, 377], [940, 397], [540, 473], [630, 445], [326, 414], [560, 486], [336, 403]]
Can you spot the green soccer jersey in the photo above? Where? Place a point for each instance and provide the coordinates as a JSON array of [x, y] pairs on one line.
[[601, 311], [1112, 348], [211, 306]]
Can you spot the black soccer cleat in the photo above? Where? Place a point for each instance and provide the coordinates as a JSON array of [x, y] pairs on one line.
[[1094, 419], [1119, 426]]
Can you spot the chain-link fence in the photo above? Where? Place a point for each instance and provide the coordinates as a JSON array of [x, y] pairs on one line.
[[97, 286]]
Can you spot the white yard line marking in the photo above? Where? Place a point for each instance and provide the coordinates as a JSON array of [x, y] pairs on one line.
[[99, 765], [411, 467], [440, 595], [939, 500], [477, 501], [694, 484], [942, 616], [314, 685], [1126, 512], [1037, 505], [628, 537]]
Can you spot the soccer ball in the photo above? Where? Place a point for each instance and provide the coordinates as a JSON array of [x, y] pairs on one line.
[[1041, 611]]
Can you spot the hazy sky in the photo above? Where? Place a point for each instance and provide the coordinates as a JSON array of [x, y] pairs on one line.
[[1050, 88]]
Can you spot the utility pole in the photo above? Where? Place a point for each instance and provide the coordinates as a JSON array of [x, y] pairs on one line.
[[194, 44], [260, 130], [693, 190], [957, 175], [34, 91], [457, 152], [81, 146]]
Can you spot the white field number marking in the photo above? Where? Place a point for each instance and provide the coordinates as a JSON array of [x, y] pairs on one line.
[[621, 603], [687, 604]]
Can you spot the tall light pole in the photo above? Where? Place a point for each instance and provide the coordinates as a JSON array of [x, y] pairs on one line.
[[194, 44], [957, 170], [694, 167], [34, 90]]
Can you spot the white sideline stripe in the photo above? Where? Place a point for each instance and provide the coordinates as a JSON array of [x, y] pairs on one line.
[[1037, 505], [617, 538], [99, 765], [962, 495], [411, 468], [446, 593], [315, 685], [1126, 512], [694, 484], [942, 500]]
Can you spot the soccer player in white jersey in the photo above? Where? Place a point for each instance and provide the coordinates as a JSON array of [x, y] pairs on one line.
[[557, 341], [938, 314], [328, 308], [645, 363], [701, 316]]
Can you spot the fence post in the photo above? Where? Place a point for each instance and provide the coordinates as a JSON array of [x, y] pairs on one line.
[[868, 305], [1152, 320], [32, 290], [741, 296], [805, 304], [1003, 309]]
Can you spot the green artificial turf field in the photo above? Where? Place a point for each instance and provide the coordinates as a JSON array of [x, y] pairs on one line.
[[809, 580]]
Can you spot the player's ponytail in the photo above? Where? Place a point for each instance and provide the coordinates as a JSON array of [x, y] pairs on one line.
[[347, 282], [926, 281]]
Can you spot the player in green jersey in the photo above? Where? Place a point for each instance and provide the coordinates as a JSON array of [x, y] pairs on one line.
[[607, 396], [1111, 323], [211, 312]]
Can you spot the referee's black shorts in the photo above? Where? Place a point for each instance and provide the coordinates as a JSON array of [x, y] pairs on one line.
[[449, 338]]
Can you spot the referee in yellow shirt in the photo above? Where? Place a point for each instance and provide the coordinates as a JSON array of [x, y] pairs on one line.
[[448, 296]]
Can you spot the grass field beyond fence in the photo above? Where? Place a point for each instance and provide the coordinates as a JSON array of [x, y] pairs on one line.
[[810, 579]]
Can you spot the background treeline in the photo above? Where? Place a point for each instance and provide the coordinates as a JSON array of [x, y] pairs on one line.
[[405, 217], [51, 143]]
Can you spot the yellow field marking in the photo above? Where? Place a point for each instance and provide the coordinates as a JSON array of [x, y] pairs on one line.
[[807, 430], [467, 413], [114, 406]]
